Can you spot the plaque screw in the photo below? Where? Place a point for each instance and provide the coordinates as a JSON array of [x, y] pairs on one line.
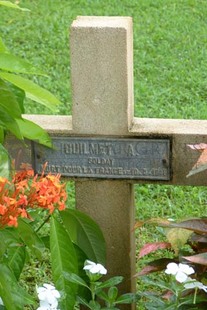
[[164, 161]]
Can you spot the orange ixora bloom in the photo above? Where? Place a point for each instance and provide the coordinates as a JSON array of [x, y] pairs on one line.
[[48, 193], [27, 190]]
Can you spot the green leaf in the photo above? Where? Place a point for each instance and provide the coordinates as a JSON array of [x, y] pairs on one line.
[[34, 132], [14, 254], [161, 284], [112, 293], [13, 296], [178, 237], [127, 298], [111, 282], [2, 46], [83, 302], [4, 162], [63, 257], [8, 100], [30, 238], [81, 257], [16, 259], [102, 295], [13, 5], [12, 63], [86, 234], [2, 135], [94, 305], [157, 302], [19, 95], [74, 278], [9, 123], [32, 90]]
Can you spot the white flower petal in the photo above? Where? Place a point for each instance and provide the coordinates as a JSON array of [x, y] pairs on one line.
[[191, 284], [186, 269], [56, 294], [94, 268], [44, 303], [42, 295], [172, 268], [40, 289], [89, 265], [89, 262], [44, 306], [49, 286], [1, 302], [102, 269], [48, 296], [181, 277]]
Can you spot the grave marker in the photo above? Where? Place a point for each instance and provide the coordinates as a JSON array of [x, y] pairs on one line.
[[102, 85], [105, 158]]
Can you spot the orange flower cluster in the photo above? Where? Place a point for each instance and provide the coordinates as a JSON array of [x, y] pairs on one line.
[[26, 191]]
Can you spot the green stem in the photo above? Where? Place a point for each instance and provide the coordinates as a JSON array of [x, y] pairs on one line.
[[195, 295], [45, 221], [92, 287], [177, 294]]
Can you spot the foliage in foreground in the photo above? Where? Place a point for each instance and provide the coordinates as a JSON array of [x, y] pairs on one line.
[[187, 241], [34, 219], [29, 204], [13, 90]]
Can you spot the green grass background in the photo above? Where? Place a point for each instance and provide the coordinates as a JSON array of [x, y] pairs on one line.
[[170, 49], [170, 73]]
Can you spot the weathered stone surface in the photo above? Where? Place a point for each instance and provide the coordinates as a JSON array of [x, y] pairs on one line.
[[102, 75], [180, 133], [102, 88]]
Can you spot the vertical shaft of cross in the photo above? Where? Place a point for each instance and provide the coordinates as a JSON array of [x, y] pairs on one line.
[[102, 90]]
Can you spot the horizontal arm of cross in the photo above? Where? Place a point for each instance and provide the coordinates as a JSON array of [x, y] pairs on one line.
[[179, 132]]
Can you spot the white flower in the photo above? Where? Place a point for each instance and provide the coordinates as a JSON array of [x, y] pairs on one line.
[[181, 271], [195, 284], [1, 302], [94, 268], [48, 296], [45, 306]]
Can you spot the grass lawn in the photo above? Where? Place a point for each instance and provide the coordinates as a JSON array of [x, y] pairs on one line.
[[170, 72]]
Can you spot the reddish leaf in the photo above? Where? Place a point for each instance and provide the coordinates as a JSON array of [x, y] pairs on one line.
[[167, 295], [156, 265], [199, 147], [154, 221], [196, 225], [146, 270], [197, 259], [151, 247], [159, 221], [138, 224], [198, 238], [198, 244], [201, 163]]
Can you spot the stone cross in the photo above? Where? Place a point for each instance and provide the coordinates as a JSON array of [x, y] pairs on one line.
[[102, 90]]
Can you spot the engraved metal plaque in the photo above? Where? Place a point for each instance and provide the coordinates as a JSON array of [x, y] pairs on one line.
[[106, 158]]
